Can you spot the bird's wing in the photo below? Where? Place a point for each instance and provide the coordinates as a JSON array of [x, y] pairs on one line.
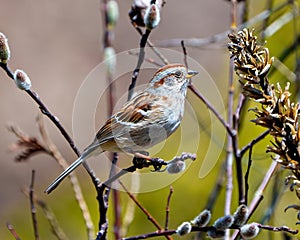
[[132, 114]]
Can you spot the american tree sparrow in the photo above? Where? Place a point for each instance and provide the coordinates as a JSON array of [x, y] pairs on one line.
[[144, 121]]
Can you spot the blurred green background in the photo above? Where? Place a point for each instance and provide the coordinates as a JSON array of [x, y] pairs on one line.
[[58, 44]]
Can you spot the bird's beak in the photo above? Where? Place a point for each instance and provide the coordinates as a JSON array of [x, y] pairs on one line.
[[191, 73]]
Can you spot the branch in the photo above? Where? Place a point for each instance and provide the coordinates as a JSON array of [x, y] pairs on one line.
[[56, 229], [253, 142], [53, 119], [141, 161], [168, 208], [139, 63], [213, 110], [110, 14], [278, 229], [144, 210], [152, 235], [10, 227], [32, 207], [54, 152], [220, 37], [247, 175], [151, 45], [258, 196]]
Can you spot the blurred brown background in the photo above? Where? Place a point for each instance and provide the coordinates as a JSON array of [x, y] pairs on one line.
[[58, 43]]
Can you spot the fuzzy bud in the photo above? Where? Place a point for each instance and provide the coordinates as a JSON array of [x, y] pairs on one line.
[[240, 216], [146, 3], [202, 219], [184, 228], [249, 231], [176, 167], [110, 60], [112, 13], [22, 80], [223, 222], [152, 17], [214, 233], [4, 49], [140, 3]]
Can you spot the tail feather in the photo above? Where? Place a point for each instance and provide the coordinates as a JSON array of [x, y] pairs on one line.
[[93, 149], [63, 175]]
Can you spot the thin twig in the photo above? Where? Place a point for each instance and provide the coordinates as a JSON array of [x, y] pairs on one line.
[[209, 228], [258, 196], [12, 230], [247, 174], [109, 181], [201, 42], [102, 192], [254, 141], [156, 163], [102, 232], [53, 119], [276, 194], [151, 45], [152, 235], [168, 208], [184, 54], [229, 147], [54, 152], [56, 229], [144, 210], [146, 59], [116, 198], [102, 206], [140, 61], [278, 229], [238, 111], [129, 214], [108, 32], [213, 110], [32, 207], [232, 141]]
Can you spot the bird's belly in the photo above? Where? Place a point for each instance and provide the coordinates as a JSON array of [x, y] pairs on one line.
[[142, 138]]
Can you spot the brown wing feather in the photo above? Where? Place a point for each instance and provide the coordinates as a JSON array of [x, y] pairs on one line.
[[130, 113]]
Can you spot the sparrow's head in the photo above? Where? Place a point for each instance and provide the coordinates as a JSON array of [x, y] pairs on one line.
[[172, 77]]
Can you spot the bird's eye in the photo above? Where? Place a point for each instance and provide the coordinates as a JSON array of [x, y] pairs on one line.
[[178, 74]]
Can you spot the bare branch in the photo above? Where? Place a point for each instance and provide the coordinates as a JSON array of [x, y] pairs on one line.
[[10, 227], [168, 208], [32, 206]]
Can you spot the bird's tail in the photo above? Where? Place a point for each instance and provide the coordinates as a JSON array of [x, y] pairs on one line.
[[64, 174], [89, 151]]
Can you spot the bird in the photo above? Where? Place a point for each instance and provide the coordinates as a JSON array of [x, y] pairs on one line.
[[147, 119]]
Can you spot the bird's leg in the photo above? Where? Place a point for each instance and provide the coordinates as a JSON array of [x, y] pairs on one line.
[[142, 159]]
